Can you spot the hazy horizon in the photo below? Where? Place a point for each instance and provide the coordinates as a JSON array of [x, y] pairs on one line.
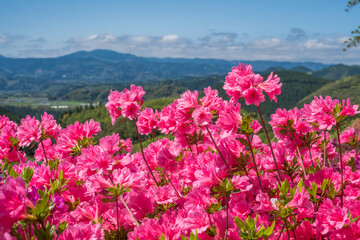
[[231, 30]]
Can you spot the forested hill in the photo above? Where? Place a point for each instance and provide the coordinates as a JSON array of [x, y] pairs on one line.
[[109, 66], [347, 87], [337, 72]]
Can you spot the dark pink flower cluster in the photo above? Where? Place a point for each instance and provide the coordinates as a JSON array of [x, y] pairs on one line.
[[214, 179], [242, 82]]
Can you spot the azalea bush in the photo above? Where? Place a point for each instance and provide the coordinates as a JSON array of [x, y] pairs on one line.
[[216, 178]]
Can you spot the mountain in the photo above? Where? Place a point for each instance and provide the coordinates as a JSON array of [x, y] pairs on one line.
[[274, 69], [105, 55], [109, 66], [347, 87], [337, 72], [300, 69]]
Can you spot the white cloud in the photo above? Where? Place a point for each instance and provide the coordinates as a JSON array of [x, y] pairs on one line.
[[9, 38], [266, 43], [170, 38], [296, 46]]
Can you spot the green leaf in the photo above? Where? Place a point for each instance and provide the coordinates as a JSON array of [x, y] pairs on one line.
[[62, 226], [239, 223], [42, 206], [11, 171], [324, 185], [269, 230], [162, 237], [54, 186], [300, 185], [27, 174], [226, 184], [313, 189], [193, 237], [14, 141], [286, 186], [214, 208], [211, 231], [244, 142]]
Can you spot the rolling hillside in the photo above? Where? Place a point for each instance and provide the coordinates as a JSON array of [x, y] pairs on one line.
[[348, 87], [337, 72]]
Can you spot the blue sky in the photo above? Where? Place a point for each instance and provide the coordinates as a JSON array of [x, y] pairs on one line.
[[279, 30]]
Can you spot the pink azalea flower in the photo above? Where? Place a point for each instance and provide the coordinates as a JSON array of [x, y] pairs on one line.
[[82, 231], [209, 175], [197, 220], [41, 176], [113, 105], [91, 211], [229, 118], [303, 206], [126, 103], [211, 99], [69, 137], [126, 144], [49, 150], [263, 203], [202, 116], [254, 96], [28, 131], [4, 120], [186, 104], [167, 121], [239, 206], [198, 198], [13, 202], [304, 231], [163, 195], [110, 144], [242, 82], [9, 149], [147, 121], [320, 111], [330, 217], [49, 126], [271, 86], [124, 177], [348, 109], [149, 229], [167, 157], [140, 204]]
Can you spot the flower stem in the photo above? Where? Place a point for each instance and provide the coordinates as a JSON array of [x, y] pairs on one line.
[[253, 157], [187, 140], [227, 216], [269, 142], [311, 159], [287, 230], [42, 145], [301, 158], [282, 230], [217, 148], [325, 148], [341, 167], [142, 153], [117, 215], [128, 209], [178, 194]]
